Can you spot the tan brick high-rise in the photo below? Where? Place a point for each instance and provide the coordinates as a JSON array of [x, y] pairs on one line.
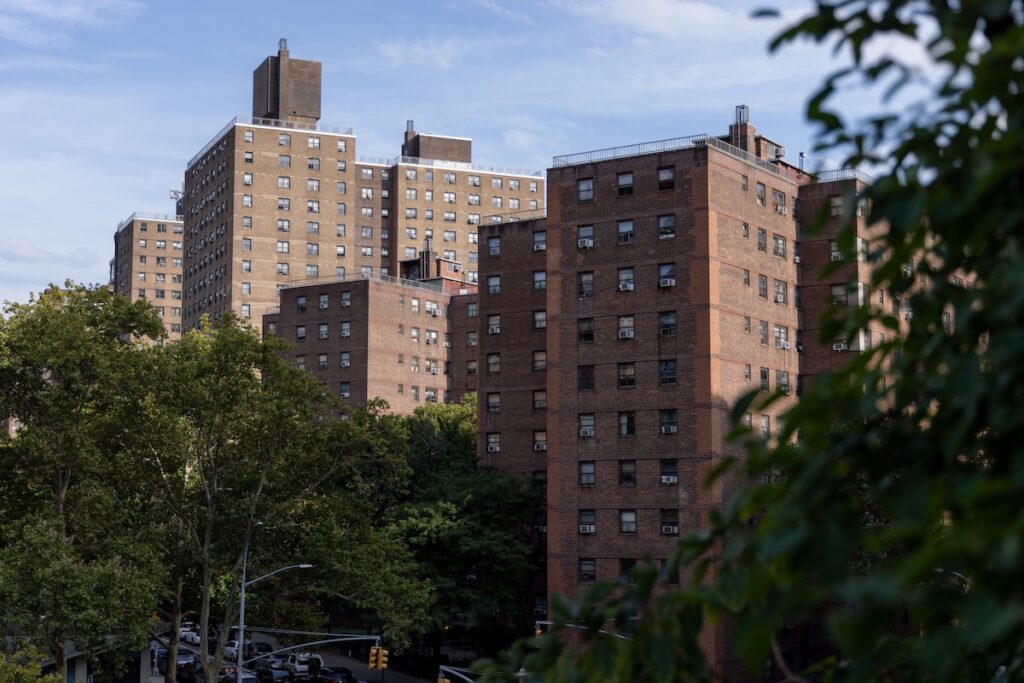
[[277, 197], [147, 264]]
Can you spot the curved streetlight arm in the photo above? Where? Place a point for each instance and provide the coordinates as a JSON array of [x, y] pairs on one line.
[[277, 571]]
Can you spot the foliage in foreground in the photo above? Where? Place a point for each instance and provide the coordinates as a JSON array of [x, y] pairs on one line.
[[896, 523]]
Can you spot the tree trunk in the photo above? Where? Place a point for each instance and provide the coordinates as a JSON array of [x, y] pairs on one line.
[[60, 660], [171, 672]]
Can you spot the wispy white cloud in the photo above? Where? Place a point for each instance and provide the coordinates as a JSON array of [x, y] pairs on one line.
[[433, 52], [49, 22], [504, 11], [30, 255]]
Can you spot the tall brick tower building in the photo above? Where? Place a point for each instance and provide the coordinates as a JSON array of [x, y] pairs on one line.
[[277, 197], [147, 264]]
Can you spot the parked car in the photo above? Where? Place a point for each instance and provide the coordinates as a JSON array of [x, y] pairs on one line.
[[299, 663], [269, 662], [231, 651], [334, 674], [274, 674], [231, 677], [256, 649]]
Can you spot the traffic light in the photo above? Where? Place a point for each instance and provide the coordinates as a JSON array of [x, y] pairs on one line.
[[382, 658], [374, 654]]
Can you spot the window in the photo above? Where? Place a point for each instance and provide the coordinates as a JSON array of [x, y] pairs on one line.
[[246, 288], [762, 240], [322, 331], [284, 161], [494, 284], [588, 521], [762, 286], [493, 246], [449, 198], [300, 333], [627, 523], [746, 277], [667, 323], [367, 173], [246, 221], [312, 270], [585, 284], [470, 367], [540, 361], [540, 399], [494, 324], [246, 202], [746, 372], [759, 190], [540, 279], [779, 246], [585, 377], [246, 244], [513, 203], [284, 204], [669, 421], [449, 216], [248, 136], [312, 206], [585, 329], [670, 522], [744, 183], [471, 339], [246, 266], [782, 381], [473, 219], [345, 359], [627, 375], [587, 570], [762, 331], [745, 231], [494, 403], [781, 336], [540, 320], [626, 329], [666, 177], [342, 165], [540, 240], [366, 250], [496, 183], [666, 227], [496, 202], [586, 425], [585, 236], [493, 363], [450, 178], [366, 232], [666, 275], [247, 178], [626, 281], [766, 427], [779, 202], [587, 473], [282, 268], [626, 235], [764, 379], [284, 225], [474, 180], [835, 205], [585, 189], [627, 473], [840, 296], [312, 228], [669, 469], [781, 291], [627, 423], [667, 371], [625, 184], [410, 174]]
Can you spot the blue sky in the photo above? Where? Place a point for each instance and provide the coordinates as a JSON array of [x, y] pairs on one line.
[[104, 101]]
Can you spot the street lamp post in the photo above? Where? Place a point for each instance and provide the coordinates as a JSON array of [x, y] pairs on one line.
[[241, 603]]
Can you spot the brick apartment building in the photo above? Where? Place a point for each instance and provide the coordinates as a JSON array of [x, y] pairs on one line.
[[277, 197], [375, 336], [147, 264], [668, 279]]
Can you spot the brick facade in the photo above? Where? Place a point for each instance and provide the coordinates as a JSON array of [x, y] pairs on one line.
[[147, 264]]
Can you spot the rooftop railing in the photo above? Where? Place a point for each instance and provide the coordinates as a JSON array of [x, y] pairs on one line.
[[843, 174], [528, 215], [273, 310], [466, 166], [391, 279], [149, 216], [630, 150], [266, 123]]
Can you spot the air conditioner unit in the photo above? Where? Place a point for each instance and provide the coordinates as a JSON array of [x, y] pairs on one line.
[[435, 313], [780, 299], [908, 316], [457, 267], [585, 243], [323, 307], [494, 329], [448, 345], [670, 529], [796, 259], [494, 449], [626, 286], [540, 446], [586, 433], [346, 334], [839, 346], [836, 256], [785, 389], [627, 333], [345, 303], [433, 371], [588, 528], [667, 282], [782, 210], [344, 394], [540, 246], [345, 363], [669, 429], [784, 345], [669, 479], [666, 235], [780, 152]]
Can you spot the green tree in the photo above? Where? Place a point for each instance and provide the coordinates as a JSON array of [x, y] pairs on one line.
[[24, 664], [469, 527], [895, 522], [76, 563]]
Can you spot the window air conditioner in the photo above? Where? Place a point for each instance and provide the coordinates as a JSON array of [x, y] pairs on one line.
[[667, 282], [436, 313], [585, 243], [540, 446], [345, 303], [669, 529], [780, 299], [836, 256], [626, 286], [493, 449], [344, 394], [586, 433], [346, 334], [839, 346], [784, 345], [796, 259], [323, 307], [494, 329], [669, 479], [628, 333], [908, 316], [588, 528], [345, 363], [540, 246], [669, 429]]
